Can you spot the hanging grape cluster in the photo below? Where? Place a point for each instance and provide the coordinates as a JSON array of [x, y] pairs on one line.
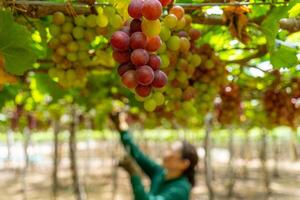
[[5, 78], [135, 47], [229, 108]]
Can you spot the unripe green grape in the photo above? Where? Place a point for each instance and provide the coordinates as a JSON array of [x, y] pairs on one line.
[[72, 57], [60, 74], [150, 105], [116, 21], [99, 10], [177, 93], [83, 56], [78, 32], [195, 60], [209, 64], [140, 99], [89, 35], [80, 20], [173, 43], [159, 98], [54, 30], [165, 33], [57, 58], [109, 11], [182, 76], [151, 28], [65, 38], [61, 50], [91, 21], [83, 45], [69, 19], [58, 18], [102, 20], [165, 61], [180, 24], [52, 72], [67, 27], [163, 48], [172, 75], [71, 75], [72, 47], [54, 43], [171, 21]]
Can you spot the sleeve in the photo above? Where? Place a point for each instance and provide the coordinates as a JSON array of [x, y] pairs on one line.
[[147, 165], [174, 193]]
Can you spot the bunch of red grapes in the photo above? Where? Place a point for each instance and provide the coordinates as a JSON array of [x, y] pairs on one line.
[[278, 104], [229, 108]]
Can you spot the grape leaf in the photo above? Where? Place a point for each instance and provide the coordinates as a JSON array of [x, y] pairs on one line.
[[284, 56], [8, 92], [15, 45], [295, 11]]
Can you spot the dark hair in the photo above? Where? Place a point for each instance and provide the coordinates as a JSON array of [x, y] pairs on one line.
[[189, 152]]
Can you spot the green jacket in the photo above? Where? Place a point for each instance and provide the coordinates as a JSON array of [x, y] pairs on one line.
[[161, 189]]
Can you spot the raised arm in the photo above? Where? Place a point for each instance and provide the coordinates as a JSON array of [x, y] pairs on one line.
[[149, 166]]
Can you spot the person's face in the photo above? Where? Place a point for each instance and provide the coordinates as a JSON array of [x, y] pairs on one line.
[[172, 159]]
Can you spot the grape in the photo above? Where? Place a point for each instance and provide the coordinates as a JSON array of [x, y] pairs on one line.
[[71, 75], [173, 43], [57, 58], [183, 34], [67, 27], [160, 79], [184, 44], [72, 46], [61, 50], [163, 48], [194, 34], [58, 18], [151, 27], [83, 56], [144, 75], [121, 56], [116, 21], [80, 20], [153, 43], [188, 19], [154, 62], [196, 60], [91, 21], [138, 40], [83, 45], [65, 38], [150, 105], [159, 98], [124, 68], [209, 64], [72, 57], [143, 91], [139, 57], [89, 35], [165, 2], [181, 24], [78, 32], [54, 30], [135, 9], [129, 79], [170, 21], [165, 33], [108, 10], [53, 43], [120, 40], [126, 29], [102, 20], [152, 9], [178, 11], [165, 61], [135, 25]]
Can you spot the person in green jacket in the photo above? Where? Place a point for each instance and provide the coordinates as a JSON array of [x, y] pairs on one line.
[[172, 181]]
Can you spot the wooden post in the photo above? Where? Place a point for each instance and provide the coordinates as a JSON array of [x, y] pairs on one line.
[[27, 137], [264, 165], [55, 184], [230, 170], [207, 158]]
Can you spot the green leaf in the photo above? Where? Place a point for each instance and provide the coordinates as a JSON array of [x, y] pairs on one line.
[[295, 11], [15, 45], [284, 56], [270, 25], [8, 92]]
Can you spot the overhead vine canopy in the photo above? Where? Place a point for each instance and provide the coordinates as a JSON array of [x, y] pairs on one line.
[[216, 56]]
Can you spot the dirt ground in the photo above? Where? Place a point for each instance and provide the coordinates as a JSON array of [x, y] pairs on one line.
[[102, 181]]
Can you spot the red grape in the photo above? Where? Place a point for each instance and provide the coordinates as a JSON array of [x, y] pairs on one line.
[[124, 68], [139, 57], [120, 40], [138, 40], [121, 56], [152, 9], [135, 9], [135, 25], [144, 75], [154, 62], [183, 34], [129, 79], [160, 79], [125, 29], [143, 91], [194, 34], [178, 11], [153, 43]]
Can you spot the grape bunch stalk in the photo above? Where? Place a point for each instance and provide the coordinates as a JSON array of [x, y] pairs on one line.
[[135, 46]]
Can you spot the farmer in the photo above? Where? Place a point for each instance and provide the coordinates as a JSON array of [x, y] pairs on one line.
[[172, 181]]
